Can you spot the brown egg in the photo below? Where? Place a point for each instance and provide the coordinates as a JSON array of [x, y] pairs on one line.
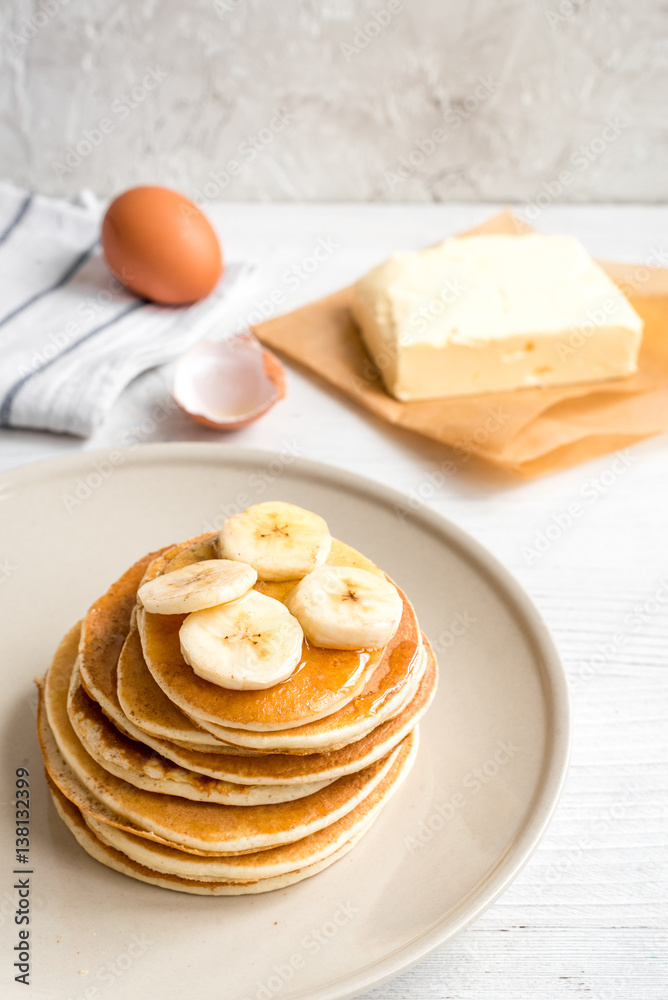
[[160, 246]]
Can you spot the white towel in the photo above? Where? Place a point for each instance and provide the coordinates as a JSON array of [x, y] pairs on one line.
[[71, 337]]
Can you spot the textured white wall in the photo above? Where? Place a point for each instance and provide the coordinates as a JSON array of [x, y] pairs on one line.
[[390, 100]]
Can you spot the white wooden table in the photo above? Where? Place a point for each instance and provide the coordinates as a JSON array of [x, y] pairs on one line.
[[588, 914]]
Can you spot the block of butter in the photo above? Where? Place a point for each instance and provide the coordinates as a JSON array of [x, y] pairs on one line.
[[493, 313]]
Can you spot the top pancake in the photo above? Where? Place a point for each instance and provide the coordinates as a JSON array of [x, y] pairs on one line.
[[147, 706], [149, 709], [344, 759], [104, 630], [324, 681]]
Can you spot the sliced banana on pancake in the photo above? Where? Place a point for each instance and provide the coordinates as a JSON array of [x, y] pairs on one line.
[[297, 768], [280, 540], [248, 644], [343, 607], [201, 585]]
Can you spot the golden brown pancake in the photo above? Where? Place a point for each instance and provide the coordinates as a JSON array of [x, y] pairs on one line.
[[134, 761], [99, 671], [278, 767], [380, 700], [181, 783], [120, 862], [146, 705], [104, 630], [194, 826], [386, 693], [324, 681], [265, 864]]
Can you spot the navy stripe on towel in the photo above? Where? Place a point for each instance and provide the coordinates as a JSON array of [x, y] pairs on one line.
[[8, 401], [63, 280], [23, 208]]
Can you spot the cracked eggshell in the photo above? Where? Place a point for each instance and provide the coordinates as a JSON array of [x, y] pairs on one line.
[[227, 384]]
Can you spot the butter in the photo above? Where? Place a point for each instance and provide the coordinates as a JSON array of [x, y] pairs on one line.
[[494, 313]]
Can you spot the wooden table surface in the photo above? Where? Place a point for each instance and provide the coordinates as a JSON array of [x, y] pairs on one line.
[[587, 916]]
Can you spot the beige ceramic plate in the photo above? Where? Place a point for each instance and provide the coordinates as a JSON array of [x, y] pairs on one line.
[[490, 768]]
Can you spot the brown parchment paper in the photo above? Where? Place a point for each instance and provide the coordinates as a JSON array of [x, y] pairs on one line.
[[529, 431]]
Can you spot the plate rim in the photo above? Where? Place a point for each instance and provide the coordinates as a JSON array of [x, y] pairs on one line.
[[551, 672]]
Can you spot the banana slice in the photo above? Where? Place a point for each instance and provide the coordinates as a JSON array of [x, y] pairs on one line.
[[200, 585], [342, 607], [246, 645], [279, 540]]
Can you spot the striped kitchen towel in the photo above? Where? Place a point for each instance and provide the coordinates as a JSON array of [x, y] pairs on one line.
[[71, 337]]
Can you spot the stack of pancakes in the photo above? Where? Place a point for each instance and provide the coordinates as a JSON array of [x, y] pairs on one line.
[[176, 781]]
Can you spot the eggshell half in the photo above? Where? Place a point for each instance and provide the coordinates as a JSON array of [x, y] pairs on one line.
[[227, 384]]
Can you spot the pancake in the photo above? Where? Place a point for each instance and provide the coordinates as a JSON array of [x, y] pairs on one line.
[[277, 767], [380, 700], [387, 692], [133, 761], [324, 681], [120, 862], [199, 827], [104, 630], [158, 859], [266, 864], [146, 705], [99, 674], [188, 785]]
